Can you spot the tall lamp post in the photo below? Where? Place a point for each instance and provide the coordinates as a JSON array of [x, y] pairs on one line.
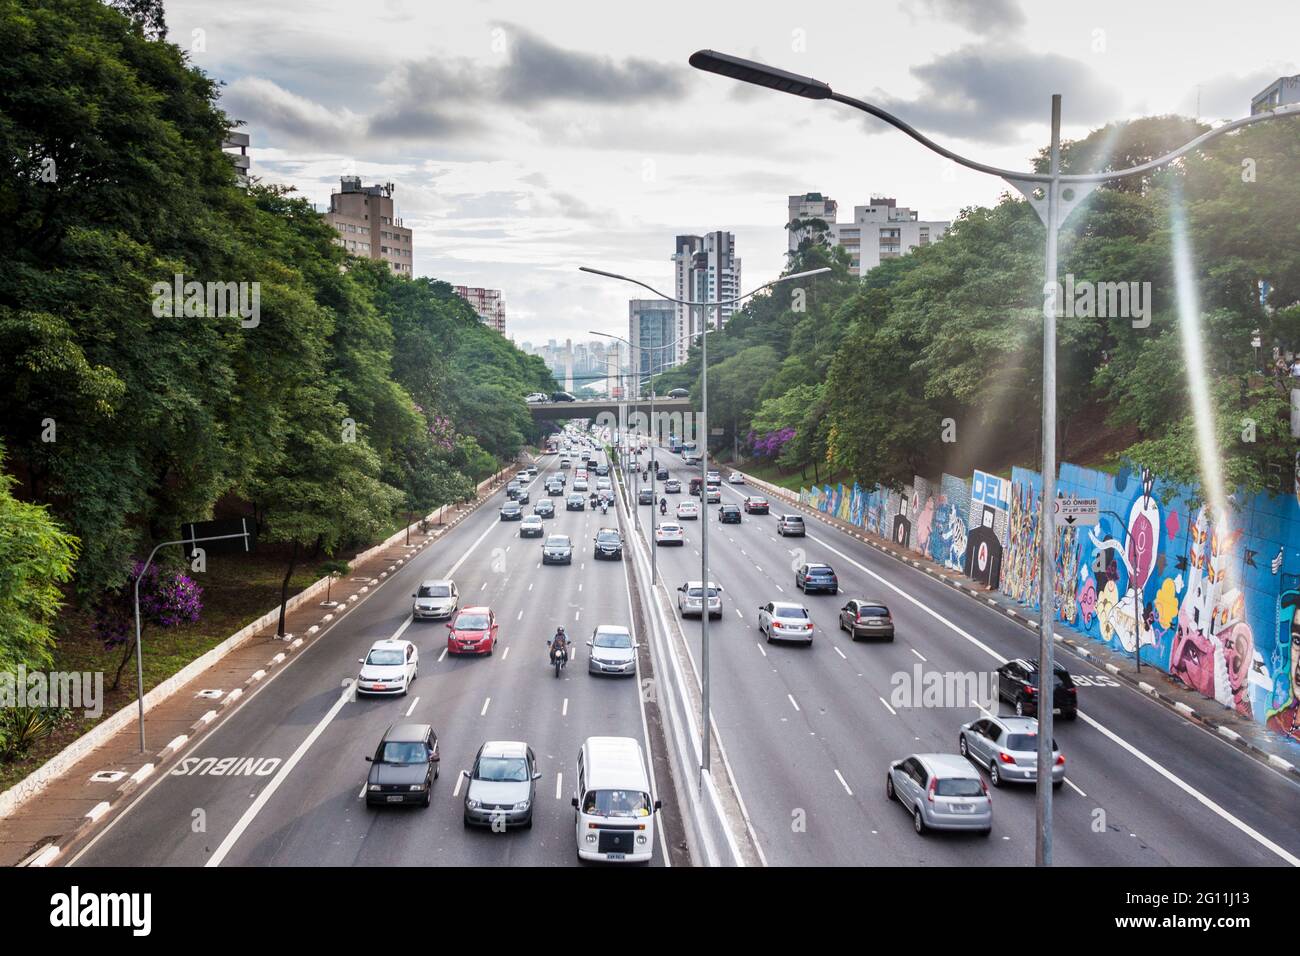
[[716, 305], [1053, 197]]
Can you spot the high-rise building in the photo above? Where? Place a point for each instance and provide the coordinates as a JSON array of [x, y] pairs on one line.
[[883, 230], [364, 218], [806, 207], [487, 304], [652, 330], [235, 146], [1282, 91], [705, 269]]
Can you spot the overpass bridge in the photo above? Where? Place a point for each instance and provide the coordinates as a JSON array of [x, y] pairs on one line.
[[676, 409]]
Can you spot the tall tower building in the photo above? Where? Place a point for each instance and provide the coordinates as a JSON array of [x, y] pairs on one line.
[[705, 269], [364, 218]]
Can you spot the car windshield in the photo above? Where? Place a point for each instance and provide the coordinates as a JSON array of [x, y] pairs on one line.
[[435, 590], [613, 639], [616, 803], [959, 787], [1024, 742], [385, 657], [608, 537], [404, 751], [557, 541], [472, 622], [502, 769], [792, 612]]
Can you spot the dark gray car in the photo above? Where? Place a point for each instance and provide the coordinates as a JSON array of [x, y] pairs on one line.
[[404, 766]]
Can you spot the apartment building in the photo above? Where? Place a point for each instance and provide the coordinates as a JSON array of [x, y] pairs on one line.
[[802, 209], [488, 304], [367, 226], [652, 330], [705, 269], [883, 230]]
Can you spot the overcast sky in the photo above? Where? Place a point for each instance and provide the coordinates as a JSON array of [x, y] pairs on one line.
[[528, 138]]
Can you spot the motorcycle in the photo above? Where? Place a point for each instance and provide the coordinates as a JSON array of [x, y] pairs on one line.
[[559, 657], [663, 507], [604, 506]]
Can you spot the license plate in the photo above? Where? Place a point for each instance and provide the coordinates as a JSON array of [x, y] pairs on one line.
[[615, 856], [964, 808], [395, 799], [1056, 710]]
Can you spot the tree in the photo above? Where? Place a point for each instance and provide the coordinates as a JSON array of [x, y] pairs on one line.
[[167, 599], [36, 556]]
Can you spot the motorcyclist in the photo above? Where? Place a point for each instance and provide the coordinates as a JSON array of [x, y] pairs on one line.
[[604, 505], [559, 644], [663, 506]]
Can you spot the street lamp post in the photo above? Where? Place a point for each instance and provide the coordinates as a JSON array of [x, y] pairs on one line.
[[1053, 197], [716, 306]]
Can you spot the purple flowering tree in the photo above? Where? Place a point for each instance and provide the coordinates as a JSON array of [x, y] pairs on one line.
[[770, 444], [167, 599]]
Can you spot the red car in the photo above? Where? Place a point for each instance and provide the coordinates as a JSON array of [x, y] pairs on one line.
[[755, 505], [473, 631]]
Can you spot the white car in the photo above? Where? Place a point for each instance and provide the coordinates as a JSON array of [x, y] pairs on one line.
[[389, 668], [670, 534], [579, 484], [736, 478], [602, 484], [783, 621], [435, 599], [688, 509], [690, 599], [536, 398]]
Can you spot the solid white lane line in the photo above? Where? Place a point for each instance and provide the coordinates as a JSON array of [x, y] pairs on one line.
[[564, 708], [1074, 788], [559, 785], [405, 624], [460, 778], [916, 652], [269, 790], [793, 703], [412, 707], [843, 782], [486, 701], [887, 707]]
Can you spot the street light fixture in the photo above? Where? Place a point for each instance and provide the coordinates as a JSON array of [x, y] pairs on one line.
[[716, 305], [1053, 197]]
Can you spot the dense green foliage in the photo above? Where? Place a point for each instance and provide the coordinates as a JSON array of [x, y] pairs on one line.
[[351, 398], [877, 377]]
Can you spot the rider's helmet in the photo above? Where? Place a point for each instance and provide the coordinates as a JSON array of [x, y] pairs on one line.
[[560, 629]]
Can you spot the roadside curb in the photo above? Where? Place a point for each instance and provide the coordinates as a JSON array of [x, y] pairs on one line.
[[1178, 707], [57, 846]]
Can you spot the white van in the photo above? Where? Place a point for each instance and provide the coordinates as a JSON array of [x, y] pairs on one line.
[[614, 810]]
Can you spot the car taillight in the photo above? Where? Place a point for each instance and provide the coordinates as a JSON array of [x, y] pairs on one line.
[[1060, 760], [1031, 689], [1006, 758], [929, 792], [1074, 690], [984, 786]]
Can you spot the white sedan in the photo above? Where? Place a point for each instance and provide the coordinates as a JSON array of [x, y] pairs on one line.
[[670, 534], [783, 621], [736, 478], [389, 668], [688, 509]]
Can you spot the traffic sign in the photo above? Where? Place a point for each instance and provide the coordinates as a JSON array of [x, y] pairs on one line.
[[1076, 511]]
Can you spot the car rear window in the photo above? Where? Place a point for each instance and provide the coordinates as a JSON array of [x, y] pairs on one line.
[[959, 787], [793, 612], [1024, 742], [874, 609]]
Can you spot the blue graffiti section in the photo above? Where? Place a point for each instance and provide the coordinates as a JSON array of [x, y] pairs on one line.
[[1213, 600]]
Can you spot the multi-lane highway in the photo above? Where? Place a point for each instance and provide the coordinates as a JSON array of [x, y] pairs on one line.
[[311, 811], [809, 731]]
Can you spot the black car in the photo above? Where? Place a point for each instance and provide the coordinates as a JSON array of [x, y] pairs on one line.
[[679, 393], [661, 474], [544, 508], [1018, 685], [511, 511], [562, 397], [816, 577], [609, 544], [575, 503], [554, 488], [512, 490], [645, 497], [404, 766], [729, 514], [522, 497]]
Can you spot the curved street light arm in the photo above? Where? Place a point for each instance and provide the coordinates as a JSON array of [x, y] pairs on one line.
[[731, 301]]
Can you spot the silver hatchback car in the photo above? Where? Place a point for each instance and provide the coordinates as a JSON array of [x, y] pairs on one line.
[[941, 792], [690, 599], [1007, 747]]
